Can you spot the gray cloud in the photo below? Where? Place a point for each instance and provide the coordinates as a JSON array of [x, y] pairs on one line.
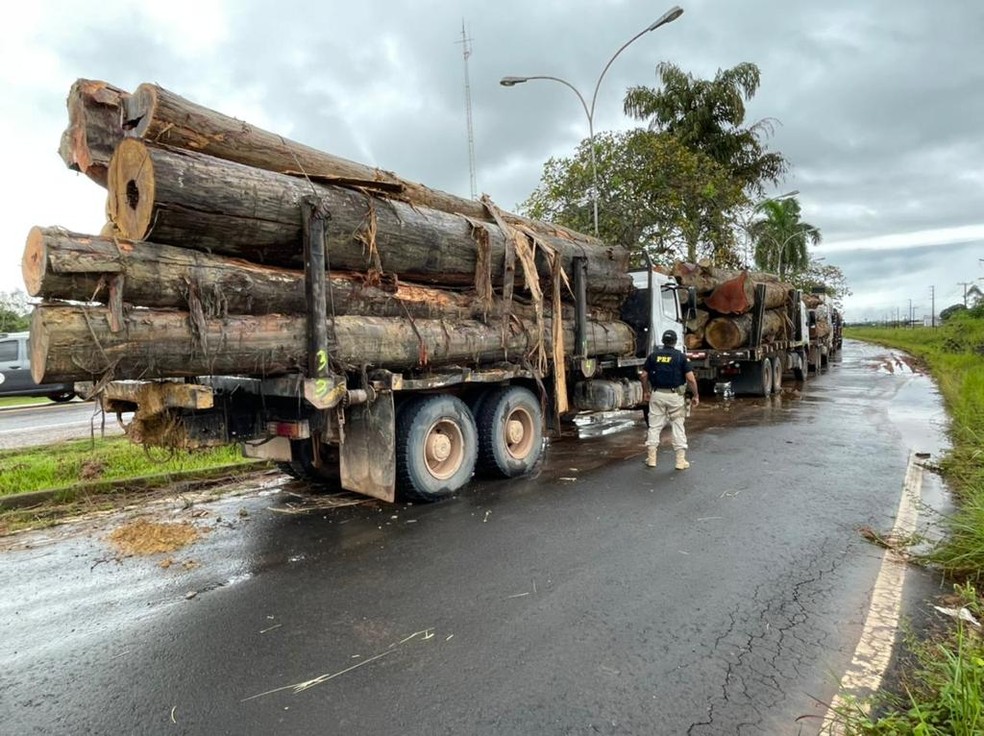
[[878, 106]]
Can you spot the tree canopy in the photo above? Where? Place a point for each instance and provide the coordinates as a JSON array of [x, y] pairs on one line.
[[13, 311], [708, 116], [655, 195], [781, 239], [820, 275]]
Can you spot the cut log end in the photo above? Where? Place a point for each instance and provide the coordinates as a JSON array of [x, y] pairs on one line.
[[131, 187], [139, 110], [35, 261], [724, 334], [39, 347]]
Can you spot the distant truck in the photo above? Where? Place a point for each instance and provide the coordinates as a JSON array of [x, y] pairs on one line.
[[826, 330], [757, 368]]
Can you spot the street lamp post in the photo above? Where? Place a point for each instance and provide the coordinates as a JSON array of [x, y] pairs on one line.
[[668, 17], [782, 248], [746, 223]]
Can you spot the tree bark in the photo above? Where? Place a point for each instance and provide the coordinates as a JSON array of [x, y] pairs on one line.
[[730, 333], [68, 266], [196, 201], [707, 278], [94, 128], [160, 116], [737, 295], [74, 343]]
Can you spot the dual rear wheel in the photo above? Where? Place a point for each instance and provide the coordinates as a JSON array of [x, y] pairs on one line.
[[441, 442]]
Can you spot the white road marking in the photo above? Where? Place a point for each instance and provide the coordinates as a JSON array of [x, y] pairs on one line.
[[874, 649]]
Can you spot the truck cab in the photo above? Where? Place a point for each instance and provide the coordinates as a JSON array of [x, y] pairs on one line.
[[662, 298]]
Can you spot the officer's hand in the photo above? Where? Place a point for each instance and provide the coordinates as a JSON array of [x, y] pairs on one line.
[[695, 400]]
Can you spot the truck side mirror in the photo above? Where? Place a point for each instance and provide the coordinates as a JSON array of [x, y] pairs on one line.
[[691, 312]]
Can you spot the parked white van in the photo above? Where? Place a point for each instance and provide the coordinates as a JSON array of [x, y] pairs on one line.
[[15, 371]]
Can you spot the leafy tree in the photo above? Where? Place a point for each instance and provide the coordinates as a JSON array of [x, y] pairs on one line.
[[781, 240], [708, 116], [952, 310], [655, 195], [819, 275], [13, 311]]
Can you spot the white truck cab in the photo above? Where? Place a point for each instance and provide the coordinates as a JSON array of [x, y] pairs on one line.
[[666, 312]]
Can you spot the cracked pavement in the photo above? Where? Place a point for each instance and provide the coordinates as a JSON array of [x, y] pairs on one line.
[[599, 597]]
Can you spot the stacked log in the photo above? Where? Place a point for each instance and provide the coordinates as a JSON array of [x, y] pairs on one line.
[[199, 269], [725, 300]]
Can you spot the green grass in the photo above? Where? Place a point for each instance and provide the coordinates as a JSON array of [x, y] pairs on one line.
[[945, 691], [87, 463], [23, 400]]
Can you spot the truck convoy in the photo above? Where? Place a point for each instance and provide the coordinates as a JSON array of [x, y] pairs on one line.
[[353, 326]]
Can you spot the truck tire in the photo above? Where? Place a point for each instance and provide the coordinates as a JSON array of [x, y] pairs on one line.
[[510, 432], [62, 397], [302, 467], [436, 447], [777, 371], [801, 370]]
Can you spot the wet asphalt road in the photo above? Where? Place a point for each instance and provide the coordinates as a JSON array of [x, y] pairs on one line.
[[47, 423], [600, 597]]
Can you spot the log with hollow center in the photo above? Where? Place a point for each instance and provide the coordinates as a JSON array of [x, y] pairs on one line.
[[191, 200], [160, 116]]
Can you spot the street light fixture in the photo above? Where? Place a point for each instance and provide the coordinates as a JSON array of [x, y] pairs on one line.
[[745, 222], [782, 248], [668, 17]]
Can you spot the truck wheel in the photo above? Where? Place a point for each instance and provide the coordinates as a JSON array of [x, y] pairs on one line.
[[436, 447], [510, 432], [302, 466], [800, 370], [777, 371], [62, 397], [764, 385]]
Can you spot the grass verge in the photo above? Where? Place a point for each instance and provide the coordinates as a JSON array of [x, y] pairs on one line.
[[10, 401], [91, 464], [944, 693]]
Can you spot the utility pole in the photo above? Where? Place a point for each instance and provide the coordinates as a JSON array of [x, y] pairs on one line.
[[932, 309], [910, 314], [466, 51], [965, 284]]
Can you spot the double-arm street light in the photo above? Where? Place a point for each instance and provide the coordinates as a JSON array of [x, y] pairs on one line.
[[668, 17], [782, 248]]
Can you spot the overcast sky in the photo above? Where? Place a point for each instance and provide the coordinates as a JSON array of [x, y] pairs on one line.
[[879, 105]]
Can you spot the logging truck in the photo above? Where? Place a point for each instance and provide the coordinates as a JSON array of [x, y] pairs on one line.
[[351, 325], [388, 430], [769, 343]]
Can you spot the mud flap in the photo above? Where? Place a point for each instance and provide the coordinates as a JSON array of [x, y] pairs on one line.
[[368, 451]]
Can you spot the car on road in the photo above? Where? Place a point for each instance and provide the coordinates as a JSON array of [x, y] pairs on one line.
[[15, 371]]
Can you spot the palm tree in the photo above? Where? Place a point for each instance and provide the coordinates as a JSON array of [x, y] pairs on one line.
[[781, 239], [708, 116]]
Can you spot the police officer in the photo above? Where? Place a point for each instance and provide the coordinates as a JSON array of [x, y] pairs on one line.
[[665, 376]]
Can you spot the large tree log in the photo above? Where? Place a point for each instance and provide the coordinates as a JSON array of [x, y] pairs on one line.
[[738, 295], [197, 201], [160, 116], [73, 343], [730, 333], [67, 266], [94, 128], [705, 279]]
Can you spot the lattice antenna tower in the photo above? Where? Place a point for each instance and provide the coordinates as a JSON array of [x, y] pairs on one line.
[[466, 52]]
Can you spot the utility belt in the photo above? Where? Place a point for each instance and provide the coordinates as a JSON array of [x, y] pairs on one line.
[[678, 390]]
